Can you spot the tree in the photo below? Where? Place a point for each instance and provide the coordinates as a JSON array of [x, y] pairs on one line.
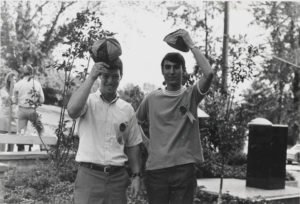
[[225, 49], [51, 38], [132, 94], [282, 20], [22, 38]]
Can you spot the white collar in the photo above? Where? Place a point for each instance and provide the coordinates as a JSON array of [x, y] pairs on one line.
[[103, 99], [174, 93]]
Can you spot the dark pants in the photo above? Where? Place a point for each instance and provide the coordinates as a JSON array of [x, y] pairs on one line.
[[96, 187], [174, 185]]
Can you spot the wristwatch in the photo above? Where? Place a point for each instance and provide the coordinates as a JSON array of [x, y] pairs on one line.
[[138, 174]]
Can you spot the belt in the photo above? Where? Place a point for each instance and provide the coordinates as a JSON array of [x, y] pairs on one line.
[[109, 169]]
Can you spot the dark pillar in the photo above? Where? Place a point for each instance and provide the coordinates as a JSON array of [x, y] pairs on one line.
[[266, 156]]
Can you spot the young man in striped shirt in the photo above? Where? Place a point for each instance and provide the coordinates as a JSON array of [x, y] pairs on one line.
[[174, 145]]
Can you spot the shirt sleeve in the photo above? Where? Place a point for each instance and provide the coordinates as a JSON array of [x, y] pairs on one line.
[[198, 94], [134, 133], [142, 111]]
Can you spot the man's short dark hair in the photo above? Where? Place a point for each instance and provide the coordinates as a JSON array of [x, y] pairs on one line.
[[117, 64], [174, 57]]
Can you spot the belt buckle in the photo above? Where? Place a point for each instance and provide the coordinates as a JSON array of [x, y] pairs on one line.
[[106, 169]]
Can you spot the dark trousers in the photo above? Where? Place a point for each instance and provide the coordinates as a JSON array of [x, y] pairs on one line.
[[96, 187], [174, 185]]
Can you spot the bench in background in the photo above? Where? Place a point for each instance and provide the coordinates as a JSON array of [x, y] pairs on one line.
[[24, 158]]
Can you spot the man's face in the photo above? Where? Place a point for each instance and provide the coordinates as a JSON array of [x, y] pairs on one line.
[[172, 73], [110, 80]]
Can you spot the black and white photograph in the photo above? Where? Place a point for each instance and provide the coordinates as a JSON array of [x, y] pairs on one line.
[[149, 102]]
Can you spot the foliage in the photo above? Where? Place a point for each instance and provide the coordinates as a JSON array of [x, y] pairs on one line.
[[225, 129], [52, 96], [45, 184], [236, 167], [19, 45], [42, 184], [132, 94], [3, 72], [196, 16], [53, 83], [278, 84], [212, 165], [25, 37]]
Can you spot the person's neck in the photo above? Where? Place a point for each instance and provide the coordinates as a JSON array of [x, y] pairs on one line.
[[173, 87], [108, 96]]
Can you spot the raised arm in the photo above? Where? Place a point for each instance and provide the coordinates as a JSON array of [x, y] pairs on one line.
[[79, 97], [204, 67]]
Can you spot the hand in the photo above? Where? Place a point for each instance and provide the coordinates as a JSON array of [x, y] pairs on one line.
[[98, 69], [186, 37], [135, 186]]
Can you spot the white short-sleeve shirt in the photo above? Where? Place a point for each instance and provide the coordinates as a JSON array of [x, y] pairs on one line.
[[105, 129], [24, 88]]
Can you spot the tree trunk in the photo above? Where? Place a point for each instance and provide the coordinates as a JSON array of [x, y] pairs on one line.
[[206, 34], [296, 92], [224, 85]]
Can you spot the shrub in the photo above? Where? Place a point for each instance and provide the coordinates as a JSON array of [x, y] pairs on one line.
[[238, 159], [52, 96], [41, 184]]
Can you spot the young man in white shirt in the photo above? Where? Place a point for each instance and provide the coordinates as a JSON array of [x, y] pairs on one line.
[[107, 127]]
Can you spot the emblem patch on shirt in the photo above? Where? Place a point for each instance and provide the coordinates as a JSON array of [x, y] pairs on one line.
[[120, 135], [123, 127], [183, 110]]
